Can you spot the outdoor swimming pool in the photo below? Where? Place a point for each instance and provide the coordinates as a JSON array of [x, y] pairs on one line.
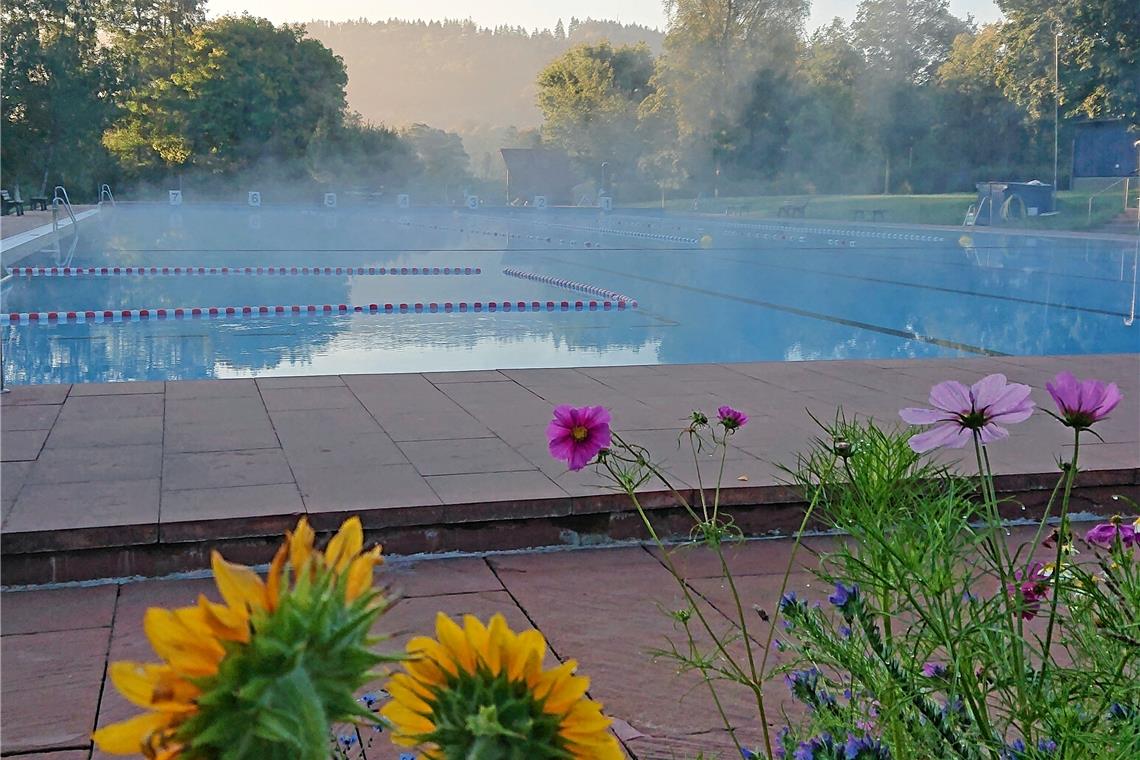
[[501, 288]]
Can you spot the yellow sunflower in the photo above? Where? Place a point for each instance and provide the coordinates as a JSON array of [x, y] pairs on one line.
[[482, 692], [210, 655]]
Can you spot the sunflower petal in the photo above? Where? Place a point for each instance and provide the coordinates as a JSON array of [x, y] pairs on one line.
[[128, 737], [274, 578], [451, 636], [186, 651], [226, 623], [240, 587], [345, 545], [360, 573], [300, 543], [135, 680]]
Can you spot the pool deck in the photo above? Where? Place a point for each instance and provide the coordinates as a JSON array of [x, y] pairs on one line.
[[142, 478]]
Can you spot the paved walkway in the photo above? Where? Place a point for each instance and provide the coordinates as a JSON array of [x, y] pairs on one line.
[[13, 225], [90, 468], [56, 642]]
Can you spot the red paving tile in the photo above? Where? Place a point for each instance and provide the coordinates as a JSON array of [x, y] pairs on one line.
[[63, 609], [29, 417], [338, 488], [21, 445], [50, 688]]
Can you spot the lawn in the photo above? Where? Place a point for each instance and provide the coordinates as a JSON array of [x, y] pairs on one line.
[[947, 209]]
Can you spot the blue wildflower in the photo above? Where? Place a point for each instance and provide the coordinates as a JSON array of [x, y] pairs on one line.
[[789, 599], [844, 596], [845, 631], [864, 748], [1046, 745], [1013, 751], [748, 754], [803, 685]]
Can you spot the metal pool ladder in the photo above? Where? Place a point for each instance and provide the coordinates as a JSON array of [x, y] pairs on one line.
[[105, 194], [59, 198]]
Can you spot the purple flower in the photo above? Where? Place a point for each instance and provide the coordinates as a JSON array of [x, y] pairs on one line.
[[934, 670], [789, 599], [1105, 534], [960, 412], [1031, 587], [1083, 402], [577, 434], [731, 418], [864, 748], [843, 595]]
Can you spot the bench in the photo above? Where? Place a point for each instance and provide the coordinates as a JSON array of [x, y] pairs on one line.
[[38, 200], [877, 214], [793, 209], [7, 204]]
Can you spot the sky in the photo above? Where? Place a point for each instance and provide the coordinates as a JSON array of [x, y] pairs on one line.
[[528, 13]]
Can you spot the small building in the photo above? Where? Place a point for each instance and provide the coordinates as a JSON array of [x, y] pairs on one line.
[[1103, 151], [539, 171]]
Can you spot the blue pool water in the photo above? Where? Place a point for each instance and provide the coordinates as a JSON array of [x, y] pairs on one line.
[[707, 290]]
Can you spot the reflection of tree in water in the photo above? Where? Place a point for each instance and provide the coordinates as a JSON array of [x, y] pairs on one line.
[[161, 350]]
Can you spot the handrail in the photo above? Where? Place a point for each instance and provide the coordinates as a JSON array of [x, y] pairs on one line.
[[106, 194], [1102, 191], [59, 198]]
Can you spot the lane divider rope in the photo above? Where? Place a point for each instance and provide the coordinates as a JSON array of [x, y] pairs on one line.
[[614, 296], [118, 271], [221, 312]]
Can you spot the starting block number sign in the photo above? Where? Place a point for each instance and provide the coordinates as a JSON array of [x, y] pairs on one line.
[[473, 201], [255, 198], [540, 201], [330, 200], [607, 203], [175, 197], [403, 201]]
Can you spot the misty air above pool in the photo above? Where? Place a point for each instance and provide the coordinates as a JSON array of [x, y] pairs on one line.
[[151, 292]]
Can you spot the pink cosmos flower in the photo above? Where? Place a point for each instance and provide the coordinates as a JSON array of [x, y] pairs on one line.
[[1032, 586], [1105, 534], [1083, 402], [731, 418], [960, 412], [577, 434]]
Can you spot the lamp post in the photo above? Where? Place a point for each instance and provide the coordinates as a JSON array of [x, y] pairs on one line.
[[1056, 102], [604, 165]]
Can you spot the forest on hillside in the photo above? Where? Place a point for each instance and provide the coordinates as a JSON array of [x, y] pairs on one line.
[[455, 74]]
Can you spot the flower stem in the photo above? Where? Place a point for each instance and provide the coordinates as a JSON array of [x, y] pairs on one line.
[[1062, 532]]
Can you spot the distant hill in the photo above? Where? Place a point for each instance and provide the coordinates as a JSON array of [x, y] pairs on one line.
[[454, 74]]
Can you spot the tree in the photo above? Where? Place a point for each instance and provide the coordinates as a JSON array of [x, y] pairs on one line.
[[56, 95], [720, 59], [980, 131], [242, 90], [360, 155], [559, 31], [589, 98], [444, 166], [1099, 56], [903, 42]]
